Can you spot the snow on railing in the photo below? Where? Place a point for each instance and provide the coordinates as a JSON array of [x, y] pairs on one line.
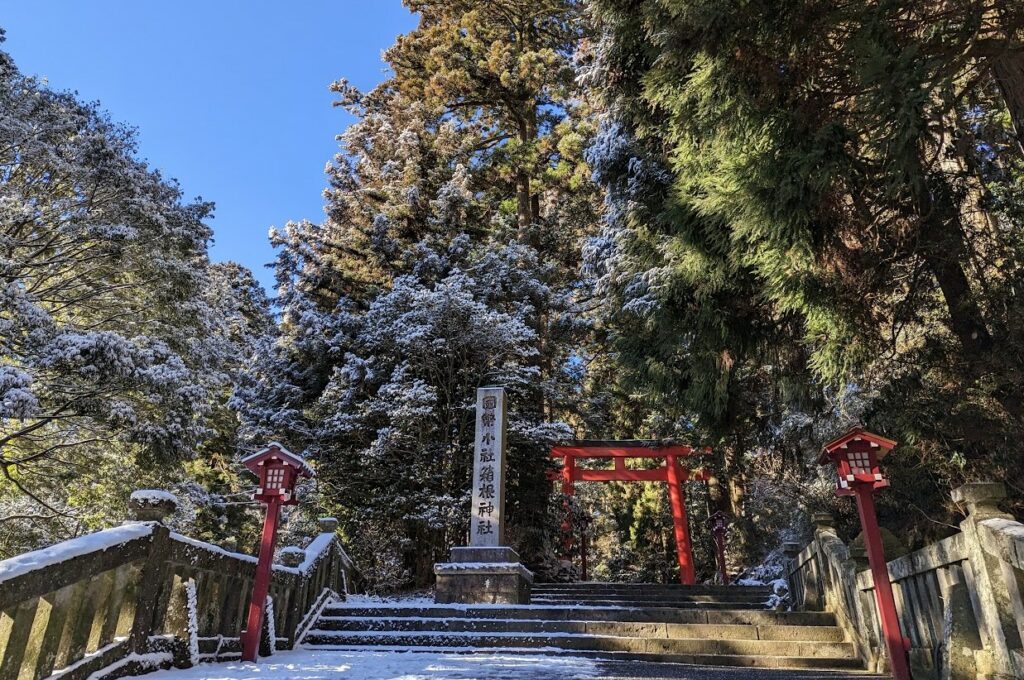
[[76, 547], [140, 596], [959, 600]]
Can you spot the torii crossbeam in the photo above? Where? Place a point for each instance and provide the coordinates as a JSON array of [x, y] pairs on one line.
[[672, 473]]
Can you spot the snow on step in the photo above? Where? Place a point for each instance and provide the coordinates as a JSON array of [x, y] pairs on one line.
[[388, 664], [704, 625]]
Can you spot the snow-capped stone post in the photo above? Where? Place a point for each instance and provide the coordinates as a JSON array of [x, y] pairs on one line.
[[486, 571], [856, 455], [278, 470], [152, 505]]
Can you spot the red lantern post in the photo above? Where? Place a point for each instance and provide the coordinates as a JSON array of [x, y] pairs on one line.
[[719, 525], [278, 470], [856, 455]]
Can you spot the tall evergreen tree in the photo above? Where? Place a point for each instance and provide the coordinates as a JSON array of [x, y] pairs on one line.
[[849, 177], [447, 260]]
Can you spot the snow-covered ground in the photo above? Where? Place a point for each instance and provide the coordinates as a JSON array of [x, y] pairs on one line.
[[324, 664]]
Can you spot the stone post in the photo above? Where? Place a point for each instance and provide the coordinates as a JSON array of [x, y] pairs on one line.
[[292, 556], [960, 630], [151, 505], [859, 557], [816, 578], [823, 522], [996, 624], [486, 571], [791, 550]]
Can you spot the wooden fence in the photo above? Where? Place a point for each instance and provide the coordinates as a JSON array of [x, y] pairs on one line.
[[959, 600], [139, 596]]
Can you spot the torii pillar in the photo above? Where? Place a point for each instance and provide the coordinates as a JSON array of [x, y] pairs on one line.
[[672, 473]]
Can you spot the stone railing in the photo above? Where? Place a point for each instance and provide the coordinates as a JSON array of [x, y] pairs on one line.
[[959, 600], [139, 597]]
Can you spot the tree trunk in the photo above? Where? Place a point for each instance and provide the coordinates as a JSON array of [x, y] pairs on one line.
[[943, 250], [523, 212], [732, 501], [527, 204], [1008, 70]]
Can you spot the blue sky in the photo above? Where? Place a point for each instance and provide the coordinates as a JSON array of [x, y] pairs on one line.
[[229, 97]]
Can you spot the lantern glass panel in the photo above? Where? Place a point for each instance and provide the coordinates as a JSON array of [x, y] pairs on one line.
[[275, 478], [860, 463]]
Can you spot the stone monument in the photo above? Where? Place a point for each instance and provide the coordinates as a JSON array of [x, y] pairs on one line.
[[486, 571]]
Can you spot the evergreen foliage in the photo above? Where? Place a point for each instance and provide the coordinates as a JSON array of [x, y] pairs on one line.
[[808, 194], [119, 340], [447, 261], [747, 225]]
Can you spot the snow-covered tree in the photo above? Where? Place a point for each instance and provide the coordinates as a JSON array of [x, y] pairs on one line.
[[448, 259], [117, 346]]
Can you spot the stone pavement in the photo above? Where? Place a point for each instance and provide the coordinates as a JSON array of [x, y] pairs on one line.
[[370, 664], [623, 670]]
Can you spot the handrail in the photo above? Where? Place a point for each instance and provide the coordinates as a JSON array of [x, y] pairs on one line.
[[41, 571], [959, 600], [139, 596]]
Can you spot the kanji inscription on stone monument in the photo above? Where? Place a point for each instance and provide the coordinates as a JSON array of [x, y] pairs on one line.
[[487, 523]]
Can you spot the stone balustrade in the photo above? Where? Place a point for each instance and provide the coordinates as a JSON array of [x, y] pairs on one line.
[[140, 596], [959, 600]]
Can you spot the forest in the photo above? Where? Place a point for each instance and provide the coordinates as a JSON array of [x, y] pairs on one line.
[[746, 226]]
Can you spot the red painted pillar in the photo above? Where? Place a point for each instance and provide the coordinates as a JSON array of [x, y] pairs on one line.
[[894, 642], [568, 491], [261, 582], [677, 496]]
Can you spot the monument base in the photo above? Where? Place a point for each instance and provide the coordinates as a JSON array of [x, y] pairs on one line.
[[482, 576]]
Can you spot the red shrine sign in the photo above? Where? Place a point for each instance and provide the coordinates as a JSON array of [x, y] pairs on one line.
[[672, 473]]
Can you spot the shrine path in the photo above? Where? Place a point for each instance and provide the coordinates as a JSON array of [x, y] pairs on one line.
[[324, 664]]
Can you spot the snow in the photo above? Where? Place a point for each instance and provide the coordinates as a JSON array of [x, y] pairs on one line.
[[468, 635], [151, 660], [86, 658], [314, 550], [327, 597], [427, 602], [268, 614], [280, 451], [292, 550], [153, 497], [390, 664], [192, 605], [61, 552], [214, 548]]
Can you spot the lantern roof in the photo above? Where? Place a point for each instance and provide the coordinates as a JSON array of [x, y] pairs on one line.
[[274, 450], [856, 434]]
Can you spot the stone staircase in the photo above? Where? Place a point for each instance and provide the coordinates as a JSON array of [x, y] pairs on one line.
[[706, 625]]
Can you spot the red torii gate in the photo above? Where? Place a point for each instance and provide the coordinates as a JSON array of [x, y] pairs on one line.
[[672, 473]]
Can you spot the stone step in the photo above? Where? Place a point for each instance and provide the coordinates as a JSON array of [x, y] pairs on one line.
[[597, 643], [646, 603], [632, 597], [656, 588], [732, 660], [570, 613], [645, 597], [613, 628]]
